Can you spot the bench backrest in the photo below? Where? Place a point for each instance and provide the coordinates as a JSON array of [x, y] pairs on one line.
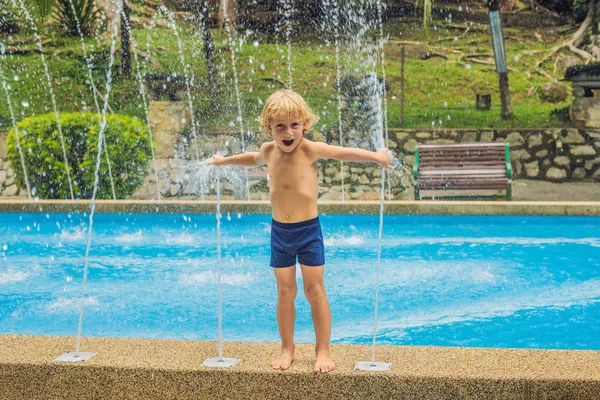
[[462, 155], [467, 156]]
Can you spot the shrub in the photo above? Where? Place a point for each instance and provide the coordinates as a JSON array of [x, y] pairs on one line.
[[70, 13], [128, 148], [9, 18], [577, 8], [43, 9], [590, 69], [561, 114]]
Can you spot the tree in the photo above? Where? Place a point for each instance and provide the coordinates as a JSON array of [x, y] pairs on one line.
[[227, 14], [125, 41]]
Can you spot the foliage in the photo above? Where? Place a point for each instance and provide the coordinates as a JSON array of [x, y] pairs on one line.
[[128, 148], [439, 94], [8, 18], [577, 8], [561, 114], [591, 69], [43, 8], [71, 13]]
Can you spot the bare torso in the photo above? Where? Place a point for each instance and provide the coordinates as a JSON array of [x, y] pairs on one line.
[[293, 182]]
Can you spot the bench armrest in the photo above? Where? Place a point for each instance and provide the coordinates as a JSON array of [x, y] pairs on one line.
[[508, 164], [416, 166]]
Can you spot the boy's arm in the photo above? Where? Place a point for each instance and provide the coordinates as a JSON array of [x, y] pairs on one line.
[[381, 156], [249, 159]]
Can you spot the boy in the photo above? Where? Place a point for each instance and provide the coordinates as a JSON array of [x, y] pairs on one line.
[[296, 231]]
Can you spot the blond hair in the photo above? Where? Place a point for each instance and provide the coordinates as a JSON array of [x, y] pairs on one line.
[[289, 104]]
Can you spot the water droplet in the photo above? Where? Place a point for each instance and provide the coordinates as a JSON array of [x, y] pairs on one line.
[[5, 247], [69, 279], [25, 103]]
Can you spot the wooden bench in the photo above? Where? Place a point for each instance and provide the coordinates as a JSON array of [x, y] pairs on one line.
[[463, 170]]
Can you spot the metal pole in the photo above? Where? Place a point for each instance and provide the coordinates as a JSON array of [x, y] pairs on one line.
[[500, 58]]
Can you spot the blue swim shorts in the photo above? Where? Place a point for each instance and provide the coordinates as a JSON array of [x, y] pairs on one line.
[[299, 239]]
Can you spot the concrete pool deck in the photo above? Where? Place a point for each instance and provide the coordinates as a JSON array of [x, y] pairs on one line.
[[170, 369]]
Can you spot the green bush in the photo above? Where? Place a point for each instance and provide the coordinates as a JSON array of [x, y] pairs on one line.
[[128, 148], [76, 15], [42, 9], [590, 69], [576, 8], [9, 18]]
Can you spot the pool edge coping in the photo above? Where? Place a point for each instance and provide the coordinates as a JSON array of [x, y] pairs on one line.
[[556, 208]]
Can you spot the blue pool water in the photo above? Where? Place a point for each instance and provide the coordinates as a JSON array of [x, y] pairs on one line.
[[482, 281]]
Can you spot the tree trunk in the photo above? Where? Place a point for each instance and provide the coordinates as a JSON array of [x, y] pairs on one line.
[[507, 112], [209, 52], [125, 40], [227, 14], [110, 8]]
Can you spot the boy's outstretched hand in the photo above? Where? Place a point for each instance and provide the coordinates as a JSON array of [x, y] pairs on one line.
[[384, 158], [216, 160]]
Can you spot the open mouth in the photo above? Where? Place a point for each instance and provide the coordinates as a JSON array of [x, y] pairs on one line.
[[288, 142]]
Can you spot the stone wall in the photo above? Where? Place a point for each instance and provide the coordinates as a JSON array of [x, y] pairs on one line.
[[556, 155], [7, 178]]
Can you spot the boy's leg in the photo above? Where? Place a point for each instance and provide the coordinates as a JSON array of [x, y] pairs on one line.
[[314, 288], [286, 314]]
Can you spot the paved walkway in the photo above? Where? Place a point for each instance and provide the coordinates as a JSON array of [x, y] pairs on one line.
[[532, 190]]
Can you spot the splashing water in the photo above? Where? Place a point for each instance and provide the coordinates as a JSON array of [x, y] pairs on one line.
[[238, 97], [14, 121], [142, 91], [287, 9], [94, 94], [96, 179], [50, 88], [188, 80]]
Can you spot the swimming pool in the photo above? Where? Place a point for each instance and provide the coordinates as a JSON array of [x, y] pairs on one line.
[[481, 281]]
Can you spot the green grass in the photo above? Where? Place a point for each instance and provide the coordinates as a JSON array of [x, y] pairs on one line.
[[438, 92]]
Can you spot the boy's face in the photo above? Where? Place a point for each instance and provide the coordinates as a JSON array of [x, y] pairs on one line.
[[287, 132]]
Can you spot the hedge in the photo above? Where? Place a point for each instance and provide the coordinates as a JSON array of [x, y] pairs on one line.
[[128, 147]]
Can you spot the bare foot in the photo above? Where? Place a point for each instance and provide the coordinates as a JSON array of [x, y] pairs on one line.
[[284, 360], [324, 362]]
